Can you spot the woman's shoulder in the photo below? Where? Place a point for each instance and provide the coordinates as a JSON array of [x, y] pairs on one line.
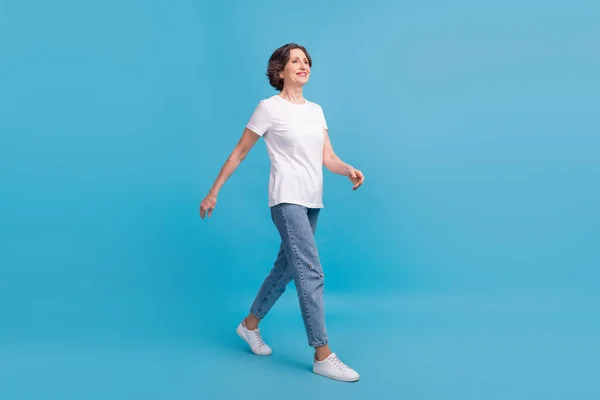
[[268, 100], [316, 107], [313, 103]]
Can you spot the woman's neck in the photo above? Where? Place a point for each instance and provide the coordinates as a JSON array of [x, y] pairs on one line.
[[293, 94]]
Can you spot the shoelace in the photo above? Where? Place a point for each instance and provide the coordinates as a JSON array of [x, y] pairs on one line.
[[258, 337], [338, 363]]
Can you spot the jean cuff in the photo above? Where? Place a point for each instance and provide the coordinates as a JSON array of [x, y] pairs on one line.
[[257, 315]]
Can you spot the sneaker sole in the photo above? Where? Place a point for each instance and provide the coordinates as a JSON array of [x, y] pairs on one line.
[[241, 335], [336, 378]]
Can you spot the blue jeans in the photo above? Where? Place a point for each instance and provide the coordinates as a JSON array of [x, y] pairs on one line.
[[298, 259]]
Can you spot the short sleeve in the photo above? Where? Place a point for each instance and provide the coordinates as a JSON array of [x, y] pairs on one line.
[[260, 121], [324, 120]]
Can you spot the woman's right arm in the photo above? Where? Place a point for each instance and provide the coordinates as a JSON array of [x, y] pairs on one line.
[[238, 154]]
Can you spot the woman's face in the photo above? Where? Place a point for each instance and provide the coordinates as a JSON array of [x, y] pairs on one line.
[[297, 70]]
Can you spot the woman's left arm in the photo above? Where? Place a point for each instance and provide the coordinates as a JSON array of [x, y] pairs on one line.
[[334, 164]]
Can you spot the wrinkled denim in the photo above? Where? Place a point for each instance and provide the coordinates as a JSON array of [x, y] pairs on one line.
[[298, 259]]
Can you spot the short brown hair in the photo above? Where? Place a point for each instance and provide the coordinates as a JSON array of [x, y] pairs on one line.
[[278, 60]]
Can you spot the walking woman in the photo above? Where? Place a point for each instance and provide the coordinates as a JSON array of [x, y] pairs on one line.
[[296, 136]]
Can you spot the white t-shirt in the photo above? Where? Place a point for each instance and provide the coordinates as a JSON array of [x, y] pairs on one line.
[[294, 135]]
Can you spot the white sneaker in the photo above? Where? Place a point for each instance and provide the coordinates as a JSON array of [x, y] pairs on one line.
[[332, 367], [254, 340]]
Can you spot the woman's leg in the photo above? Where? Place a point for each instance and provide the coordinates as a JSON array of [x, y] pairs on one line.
[[270, 291], [295, 229], [276, 282], [300, 260]]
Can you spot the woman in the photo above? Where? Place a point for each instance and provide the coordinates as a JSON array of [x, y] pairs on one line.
[[296, 136]]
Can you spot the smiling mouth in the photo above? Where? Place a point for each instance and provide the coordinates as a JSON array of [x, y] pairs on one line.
[[302, 73]]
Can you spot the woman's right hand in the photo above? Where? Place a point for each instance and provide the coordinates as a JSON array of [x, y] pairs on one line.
[[208, 205], [244, 145]]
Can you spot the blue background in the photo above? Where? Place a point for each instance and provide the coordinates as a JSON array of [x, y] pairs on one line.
[[466, 267]]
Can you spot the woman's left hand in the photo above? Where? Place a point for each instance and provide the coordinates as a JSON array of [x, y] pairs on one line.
[[356, 177]]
